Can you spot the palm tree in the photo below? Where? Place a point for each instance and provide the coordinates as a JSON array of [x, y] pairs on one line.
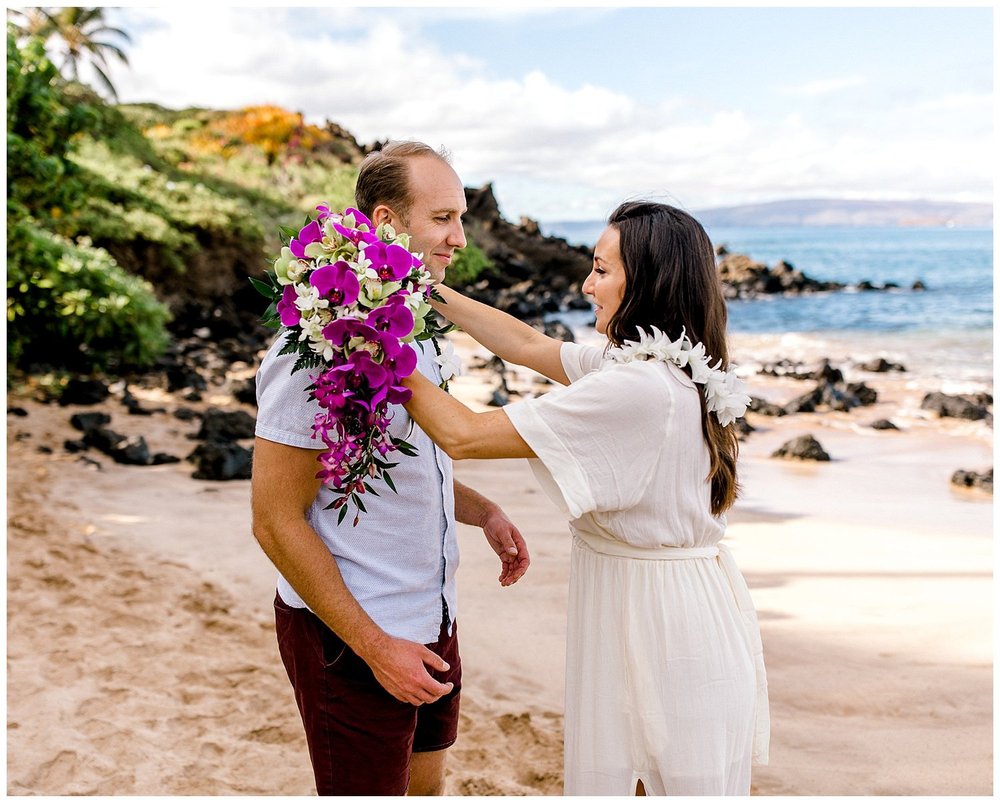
[[79, 33], [30, 22]]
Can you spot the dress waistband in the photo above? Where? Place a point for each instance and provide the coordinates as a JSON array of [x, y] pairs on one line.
[[620, 549]]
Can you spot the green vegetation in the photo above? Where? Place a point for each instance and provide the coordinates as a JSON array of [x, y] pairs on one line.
[[68, 304], [468, 265]]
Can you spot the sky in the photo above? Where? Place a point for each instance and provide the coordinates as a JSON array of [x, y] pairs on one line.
[[570, 110]]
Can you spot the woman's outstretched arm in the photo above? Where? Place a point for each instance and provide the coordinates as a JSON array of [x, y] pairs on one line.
[[507, 337], [458, 430]]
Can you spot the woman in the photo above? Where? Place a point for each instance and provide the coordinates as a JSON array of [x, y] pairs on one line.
[[665, 684]]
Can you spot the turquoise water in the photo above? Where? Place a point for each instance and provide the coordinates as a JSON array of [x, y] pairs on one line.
[[956, 265], [944, 333]]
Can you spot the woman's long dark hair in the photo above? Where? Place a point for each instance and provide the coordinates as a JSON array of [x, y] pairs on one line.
[[671, 282]]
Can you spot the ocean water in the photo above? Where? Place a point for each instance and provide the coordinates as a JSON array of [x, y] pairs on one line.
[[945, 331]]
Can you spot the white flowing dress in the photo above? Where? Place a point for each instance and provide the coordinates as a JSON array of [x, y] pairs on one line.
[[665, 678]]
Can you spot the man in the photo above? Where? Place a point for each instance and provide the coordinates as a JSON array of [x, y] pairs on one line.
[[365, 616]]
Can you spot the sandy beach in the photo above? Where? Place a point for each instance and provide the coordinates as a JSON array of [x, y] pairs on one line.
[[141, 656]]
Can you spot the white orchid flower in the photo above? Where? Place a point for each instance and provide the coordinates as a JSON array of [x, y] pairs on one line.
[[451, 364]]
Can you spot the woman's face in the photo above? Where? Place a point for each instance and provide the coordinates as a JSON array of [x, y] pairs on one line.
[[606, 282]]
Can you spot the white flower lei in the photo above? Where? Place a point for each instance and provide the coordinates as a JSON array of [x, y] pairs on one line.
[[725, 393]]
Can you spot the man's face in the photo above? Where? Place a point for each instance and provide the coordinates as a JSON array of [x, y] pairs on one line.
[[434, 222]]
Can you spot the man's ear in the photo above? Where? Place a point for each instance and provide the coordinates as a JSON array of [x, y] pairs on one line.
[[382, 214]]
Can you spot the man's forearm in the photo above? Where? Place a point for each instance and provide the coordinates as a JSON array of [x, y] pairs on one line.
[[471, 507], [304, 561]]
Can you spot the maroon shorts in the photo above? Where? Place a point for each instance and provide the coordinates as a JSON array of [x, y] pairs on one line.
[[360, 737]]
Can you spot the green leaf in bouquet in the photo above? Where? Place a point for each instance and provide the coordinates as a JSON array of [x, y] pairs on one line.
[[361, 505], [407, 449], [390, 483], [266, 289], [342, 515], [370, 490], [310, 360], [291, 346]]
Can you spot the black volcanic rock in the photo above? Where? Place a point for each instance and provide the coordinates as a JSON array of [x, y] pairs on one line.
[[805, 447], [226, 425], [972, 479], [132, 452], [835, 395], [534, 274], [972, 409], [103, 439], [85, 422], [84, 391], [245, 391], [220, 461], [765, 407], [742, 277], [880, 365]]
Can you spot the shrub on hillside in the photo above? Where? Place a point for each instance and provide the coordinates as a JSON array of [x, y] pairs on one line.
[[274, 130], [467, 266], [70, 305]]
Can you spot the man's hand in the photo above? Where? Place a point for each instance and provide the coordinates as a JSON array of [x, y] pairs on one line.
[[398, 665], [506, 540]]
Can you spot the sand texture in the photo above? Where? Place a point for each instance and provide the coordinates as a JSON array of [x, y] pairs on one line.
[[141, 657]]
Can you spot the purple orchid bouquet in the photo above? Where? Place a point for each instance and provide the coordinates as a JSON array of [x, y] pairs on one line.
[[353, 298]]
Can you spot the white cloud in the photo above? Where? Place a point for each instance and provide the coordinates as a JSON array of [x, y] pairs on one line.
[[553, 151]]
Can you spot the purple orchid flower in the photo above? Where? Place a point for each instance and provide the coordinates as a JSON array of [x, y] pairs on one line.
[[395, 320], [286, 308], [356, 236], [392, 262], [401, 363], [340, 331], [330, 390], [336, 282], [359, 217], [366, 376], [398, 395], [310, 233], [364, 370]]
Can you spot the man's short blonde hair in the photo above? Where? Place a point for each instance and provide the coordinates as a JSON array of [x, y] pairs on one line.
[[384, 176]]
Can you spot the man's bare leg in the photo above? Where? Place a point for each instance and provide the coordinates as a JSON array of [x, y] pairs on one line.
[[427, 773]]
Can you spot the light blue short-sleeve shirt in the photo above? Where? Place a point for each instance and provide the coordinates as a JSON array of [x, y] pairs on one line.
[[400, 561]]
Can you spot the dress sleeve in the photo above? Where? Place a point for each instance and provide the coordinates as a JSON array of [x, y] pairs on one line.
[[579, 360], [598, 440]]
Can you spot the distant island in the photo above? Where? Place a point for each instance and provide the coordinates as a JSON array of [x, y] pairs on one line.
[[815, 212], [834, 212]]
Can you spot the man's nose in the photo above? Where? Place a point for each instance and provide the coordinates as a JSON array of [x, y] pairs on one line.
[[456, 238]]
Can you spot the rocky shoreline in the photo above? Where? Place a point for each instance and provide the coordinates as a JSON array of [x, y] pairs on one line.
[[201, 384]]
